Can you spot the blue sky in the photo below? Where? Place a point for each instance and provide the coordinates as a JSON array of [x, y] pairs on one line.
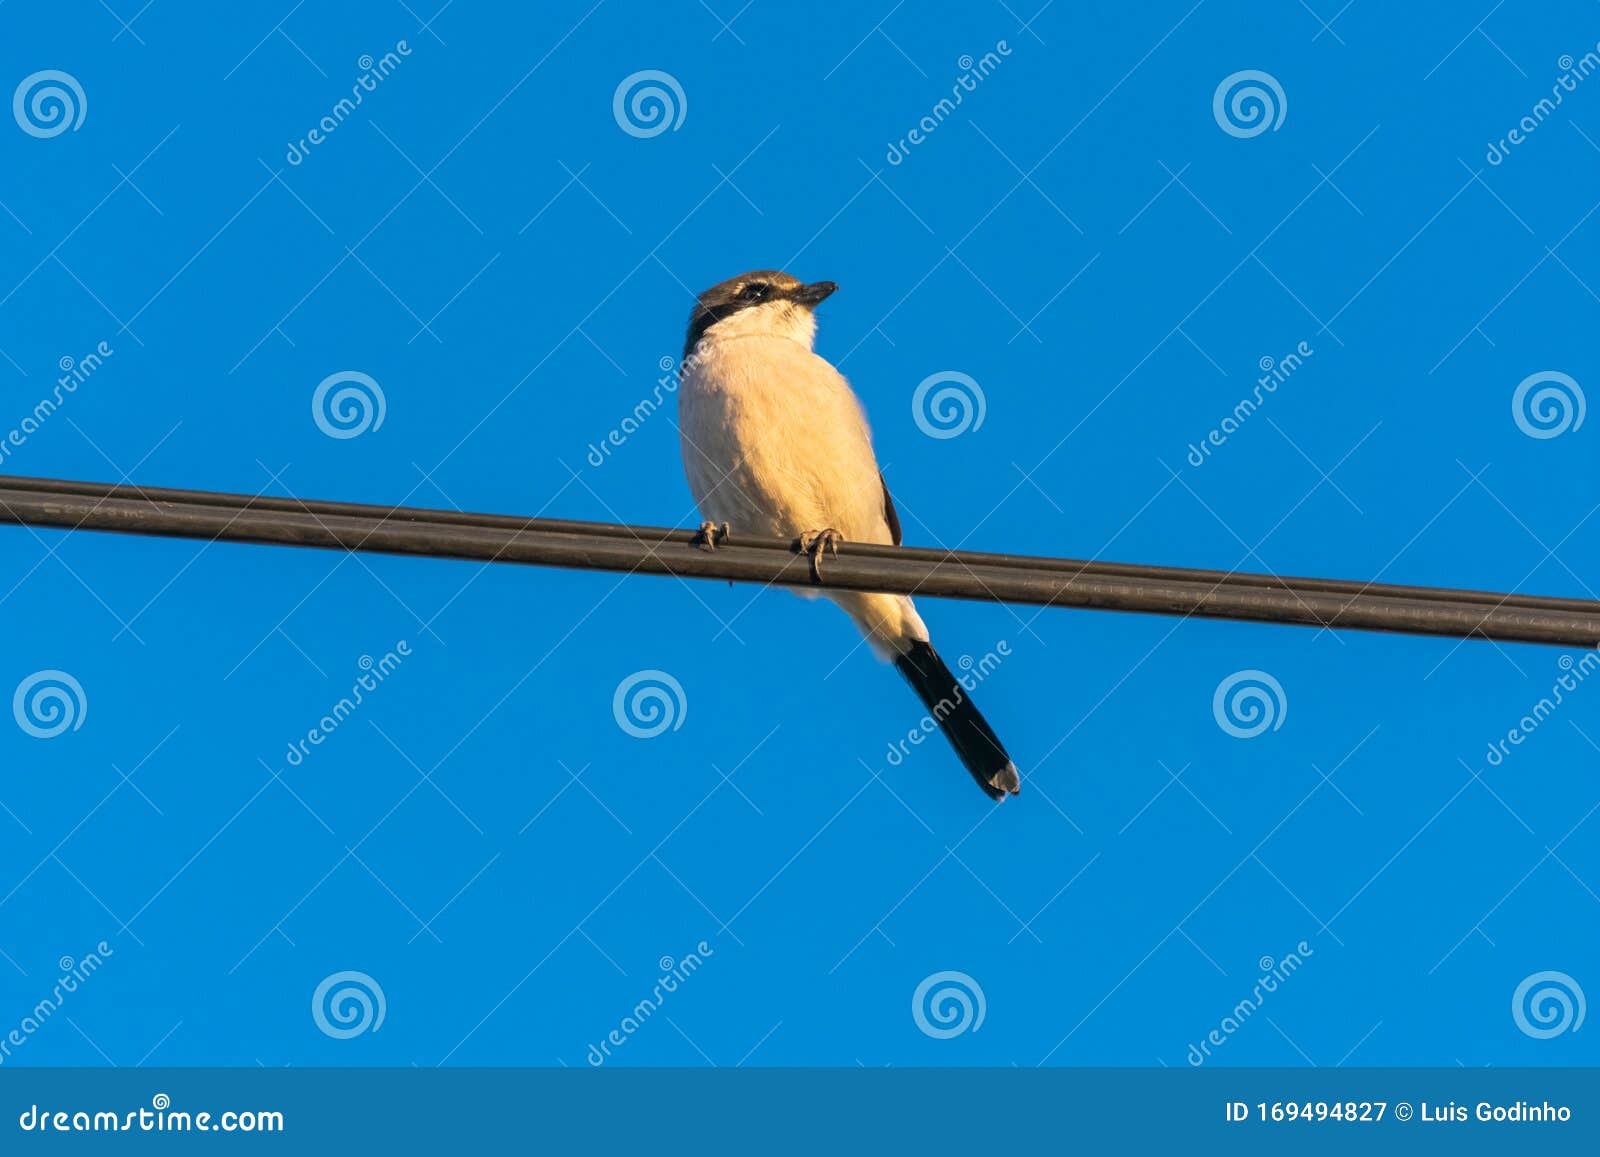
[[1085, 238]]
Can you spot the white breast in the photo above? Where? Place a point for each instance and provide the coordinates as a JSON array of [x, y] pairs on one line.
[[774, 440], [775, 444]]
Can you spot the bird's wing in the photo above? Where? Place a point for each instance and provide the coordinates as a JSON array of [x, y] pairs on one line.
[[889, 515]]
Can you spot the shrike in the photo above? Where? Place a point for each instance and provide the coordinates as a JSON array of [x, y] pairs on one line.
[[775, 443]]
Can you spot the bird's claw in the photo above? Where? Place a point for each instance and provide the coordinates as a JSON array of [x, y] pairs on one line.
[[814, 542], [710, 535]]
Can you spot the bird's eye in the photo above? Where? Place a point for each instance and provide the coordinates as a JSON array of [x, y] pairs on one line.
[[755, 291]]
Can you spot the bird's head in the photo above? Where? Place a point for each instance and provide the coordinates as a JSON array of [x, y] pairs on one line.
[[766, 301]]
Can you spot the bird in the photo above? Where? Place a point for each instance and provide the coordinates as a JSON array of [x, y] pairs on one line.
[[776, 443]]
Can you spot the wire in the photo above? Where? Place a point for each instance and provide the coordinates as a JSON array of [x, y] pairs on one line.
[[217, 516]]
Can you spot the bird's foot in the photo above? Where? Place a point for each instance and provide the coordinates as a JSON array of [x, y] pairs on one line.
[[814, 543], [710, 535]]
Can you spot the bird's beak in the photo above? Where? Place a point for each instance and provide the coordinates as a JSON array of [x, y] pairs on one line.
[[814, 294]]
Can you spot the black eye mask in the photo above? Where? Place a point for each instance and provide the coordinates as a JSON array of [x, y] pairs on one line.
[[751, 294]]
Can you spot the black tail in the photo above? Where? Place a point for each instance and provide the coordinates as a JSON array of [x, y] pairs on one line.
[[962, 723]]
